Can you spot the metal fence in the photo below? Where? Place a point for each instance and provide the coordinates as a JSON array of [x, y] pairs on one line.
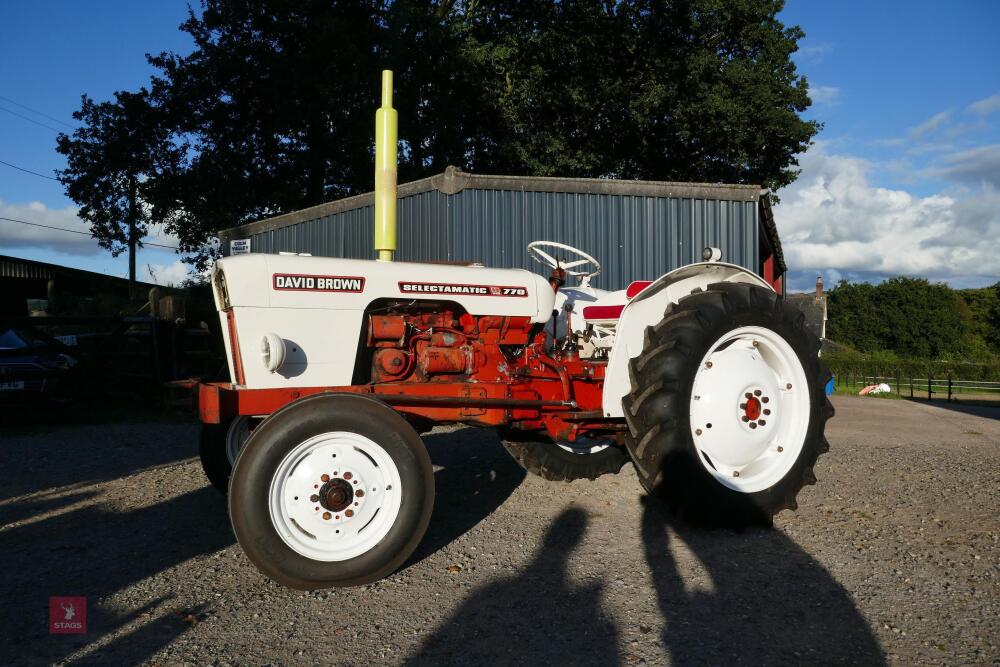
[[948, 388]]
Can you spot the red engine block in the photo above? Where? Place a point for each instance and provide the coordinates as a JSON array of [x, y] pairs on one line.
[[433, 364]]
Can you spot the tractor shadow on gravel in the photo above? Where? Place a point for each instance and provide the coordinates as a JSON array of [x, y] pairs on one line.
[[768, 601], [98, 552], [473, 476], [535, 618]]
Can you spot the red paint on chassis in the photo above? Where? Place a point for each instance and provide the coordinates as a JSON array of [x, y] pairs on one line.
[[560, 393]]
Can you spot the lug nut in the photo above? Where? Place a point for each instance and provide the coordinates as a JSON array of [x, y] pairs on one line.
[[349, 513], [359, 493], [745, 418], [780, 449], [347, 475], [765, 400], [326, 516], [325, 477], [761, 422], [743, 406], [788, 386], [708, 364], [748, 395], [757, 392], [697, 431], [766, 411], [314, 498], [753, 424]]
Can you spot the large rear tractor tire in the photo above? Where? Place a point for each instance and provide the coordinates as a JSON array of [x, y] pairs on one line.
[[331, 490], [728, 406], [563, 462]]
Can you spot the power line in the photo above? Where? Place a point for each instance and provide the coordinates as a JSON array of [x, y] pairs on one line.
[[28, 171], [73, 231], [31, 120], [40, 113]]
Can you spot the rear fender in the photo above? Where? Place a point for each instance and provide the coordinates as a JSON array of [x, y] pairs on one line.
[[647, 309]]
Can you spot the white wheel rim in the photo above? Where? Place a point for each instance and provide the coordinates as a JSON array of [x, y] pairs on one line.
[[311, 509], [236, 436], [584, 445], [750, 444]]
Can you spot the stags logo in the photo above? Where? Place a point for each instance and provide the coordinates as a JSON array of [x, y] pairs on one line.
[[464, 290], [67, 615], [305, 283]]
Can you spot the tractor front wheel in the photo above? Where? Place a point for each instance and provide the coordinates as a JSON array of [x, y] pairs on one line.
[[331, 490], [728, 406]]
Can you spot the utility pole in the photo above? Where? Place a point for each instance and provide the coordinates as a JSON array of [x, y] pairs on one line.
[[131, 238]]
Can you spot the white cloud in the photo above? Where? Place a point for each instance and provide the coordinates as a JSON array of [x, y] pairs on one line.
[[986, 106], [824, 94], [814, 53], [832, 217], [929, 125], [166, 274], [975, 166], [16, 235]]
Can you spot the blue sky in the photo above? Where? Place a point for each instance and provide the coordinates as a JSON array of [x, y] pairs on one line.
[[904, 177]]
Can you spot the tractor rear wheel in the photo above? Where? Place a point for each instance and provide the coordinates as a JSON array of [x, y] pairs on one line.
[[728, 406], [563, 462], [331, 490]]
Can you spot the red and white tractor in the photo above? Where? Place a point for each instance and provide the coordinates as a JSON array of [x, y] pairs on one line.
[[704, 378]]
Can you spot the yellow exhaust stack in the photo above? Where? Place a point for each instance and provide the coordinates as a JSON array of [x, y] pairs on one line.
[[385, 173]]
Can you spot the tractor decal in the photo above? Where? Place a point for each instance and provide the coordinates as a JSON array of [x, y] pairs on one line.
[[465, 290], [307, 283]]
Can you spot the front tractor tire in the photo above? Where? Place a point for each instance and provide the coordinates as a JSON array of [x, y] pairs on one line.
[[331, 490], [728, 406], [563, 462]]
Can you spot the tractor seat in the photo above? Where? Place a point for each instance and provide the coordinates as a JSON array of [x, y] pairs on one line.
[[613, 311]]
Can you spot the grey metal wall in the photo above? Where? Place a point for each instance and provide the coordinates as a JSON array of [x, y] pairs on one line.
[[634, 237]]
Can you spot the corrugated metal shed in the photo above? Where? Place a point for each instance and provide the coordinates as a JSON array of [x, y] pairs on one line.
[[637, 229]]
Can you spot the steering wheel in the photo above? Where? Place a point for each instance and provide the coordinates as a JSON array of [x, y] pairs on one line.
[[542, 257]]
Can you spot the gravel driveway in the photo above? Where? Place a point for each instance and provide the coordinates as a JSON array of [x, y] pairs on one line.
[[893, 556]]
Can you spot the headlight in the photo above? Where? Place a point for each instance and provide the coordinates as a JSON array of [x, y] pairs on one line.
[[272, 351]]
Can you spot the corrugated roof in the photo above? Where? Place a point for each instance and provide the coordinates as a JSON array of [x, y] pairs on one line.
[[454, 180], [18, 267]]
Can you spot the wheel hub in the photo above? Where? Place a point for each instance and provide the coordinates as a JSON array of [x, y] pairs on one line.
[[336, 495]]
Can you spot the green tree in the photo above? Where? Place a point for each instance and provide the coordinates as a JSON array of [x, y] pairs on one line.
[[274, 106], [112, 161], [909, 316], [272, 109], [984, 308]]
